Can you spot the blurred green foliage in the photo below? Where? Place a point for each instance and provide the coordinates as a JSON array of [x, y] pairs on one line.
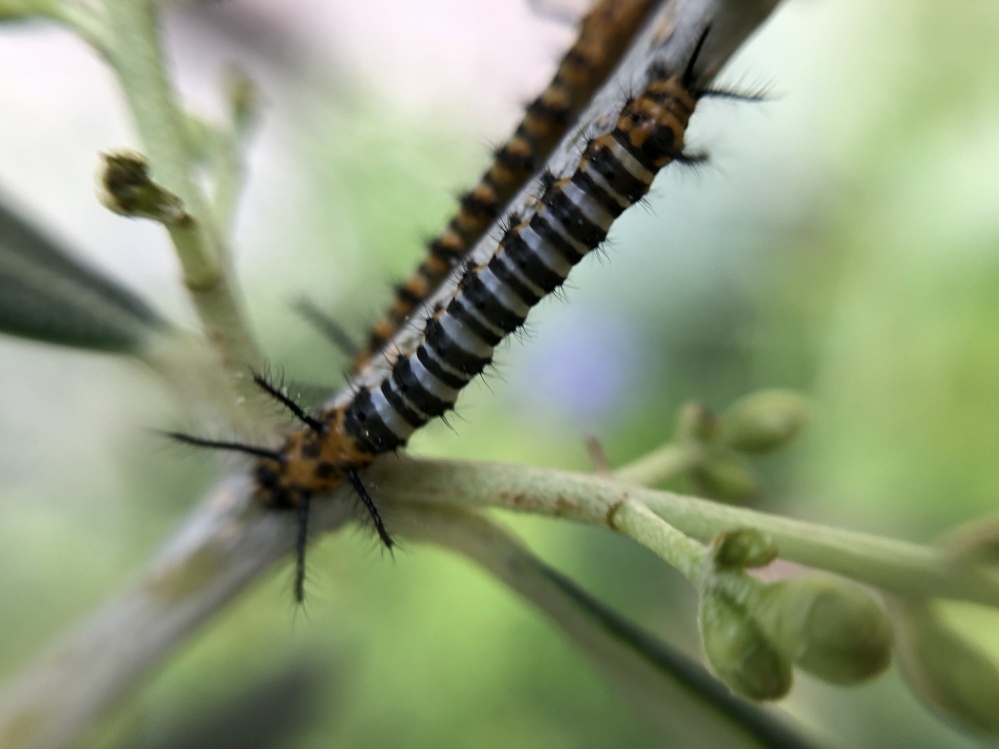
[[48, 295], [843, 244]]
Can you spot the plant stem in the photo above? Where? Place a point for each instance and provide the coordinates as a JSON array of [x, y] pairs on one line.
[[666, 463], [651, 531], [896, 566], [138, 60], [82, 19]]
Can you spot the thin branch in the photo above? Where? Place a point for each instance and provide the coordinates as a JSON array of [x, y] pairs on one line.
[[83, 19], [228, 543], [138, 60], [680, 551], [137, 57], [907, 569], [664, 464]]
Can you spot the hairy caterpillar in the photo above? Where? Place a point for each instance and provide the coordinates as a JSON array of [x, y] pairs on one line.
[[604, 34], [534, 257]]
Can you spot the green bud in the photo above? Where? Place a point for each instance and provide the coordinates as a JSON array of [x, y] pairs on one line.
[[948, 672], [742, 548], [841, 633], [764, 421], [128, 189], [725, 475], [696, 423], [738, 651]]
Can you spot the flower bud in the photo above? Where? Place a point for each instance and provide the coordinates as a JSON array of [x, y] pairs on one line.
[[948, 672], [127, 189], [738, 651], [725, 475], [842, 634], [742, 548], [764, 421]]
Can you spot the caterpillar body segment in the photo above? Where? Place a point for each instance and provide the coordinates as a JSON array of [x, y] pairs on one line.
[[604, 35], [533, 259]]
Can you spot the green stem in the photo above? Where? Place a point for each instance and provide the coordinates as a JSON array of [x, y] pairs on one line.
[[141, 68], [228, 169], [897, 566], [668, 462], [138, 59], [82, 19], [651, 531], [228, 163]]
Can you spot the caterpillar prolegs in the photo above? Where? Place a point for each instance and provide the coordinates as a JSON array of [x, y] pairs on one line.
[[534, 257]]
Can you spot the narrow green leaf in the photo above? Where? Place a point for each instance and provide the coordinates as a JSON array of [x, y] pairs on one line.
[[48, 295]]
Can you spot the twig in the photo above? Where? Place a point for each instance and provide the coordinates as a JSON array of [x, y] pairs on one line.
[[137, 57], [227, 543], [904, 568], [662, 465]]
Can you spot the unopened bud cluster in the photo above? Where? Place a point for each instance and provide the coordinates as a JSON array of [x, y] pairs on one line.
[[758, 423], [755, 633]]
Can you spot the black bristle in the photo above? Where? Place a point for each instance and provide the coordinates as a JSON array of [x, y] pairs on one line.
[[369, 505], [326, 325], [301, 540], [298, 411], [260, 452]]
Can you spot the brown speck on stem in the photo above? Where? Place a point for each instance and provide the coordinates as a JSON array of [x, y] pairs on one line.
[[598, 456], [612, 512]]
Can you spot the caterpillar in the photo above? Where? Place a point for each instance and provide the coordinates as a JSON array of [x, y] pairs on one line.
[[492, 300], [604, 34]]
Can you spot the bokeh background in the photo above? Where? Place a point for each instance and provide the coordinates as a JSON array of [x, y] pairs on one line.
[[843, 242]]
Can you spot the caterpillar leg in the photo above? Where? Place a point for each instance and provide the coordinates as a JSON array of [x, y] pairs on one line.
[[301, 540]]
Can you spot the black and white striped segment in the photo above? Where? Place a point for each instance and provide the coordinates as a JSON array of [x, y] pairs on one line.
[[533, 258]]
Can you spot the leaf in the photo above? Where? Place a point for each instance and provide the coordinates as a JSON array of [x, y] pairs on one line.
[[48, 295]]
